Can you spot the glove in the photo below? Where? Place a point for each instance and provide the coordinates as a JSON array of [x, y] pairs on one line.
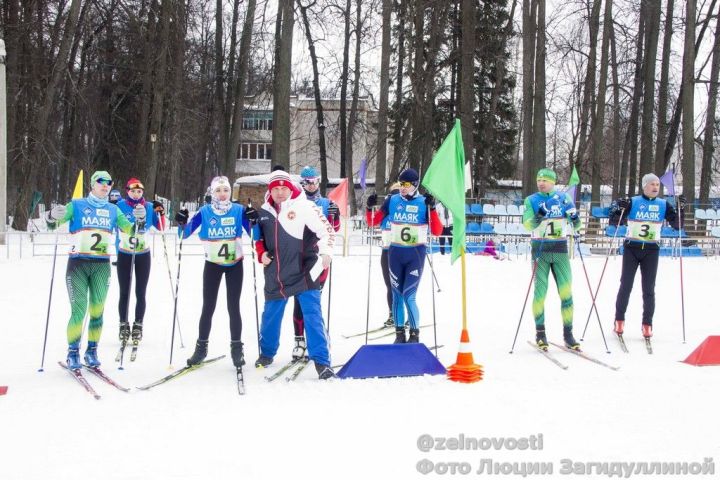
[[572, 213], [158, 207], [57, 212], [624, 203], [541, 210], [371, 200], [333, 211], [140, 214], [681, 202], [252, 215], [181, 217], [429, 201]]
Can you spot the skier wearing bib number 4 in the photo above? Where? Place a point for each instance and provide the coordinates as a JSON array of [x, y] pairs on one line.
[[133, 254], [410, 216], [644, 215], [546, 214], [92, 220], [221, 223]]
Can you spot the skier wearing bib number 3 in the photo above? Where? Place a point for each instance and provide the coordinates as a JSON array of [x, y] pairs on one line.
[[92, 220], [221, 223], [546, 214], [410, 215], [644, 215]]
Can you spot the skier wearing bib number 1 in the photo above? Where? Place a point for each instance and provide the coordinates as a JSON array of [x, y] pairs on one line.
[[92, 220], [410, 216], [546, 214], [644, 215], [221, 223], [134, 254]]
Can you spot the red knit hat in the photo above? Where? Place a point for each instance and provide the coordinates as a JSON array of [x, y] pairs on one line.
[[134, 183], [280, 178]]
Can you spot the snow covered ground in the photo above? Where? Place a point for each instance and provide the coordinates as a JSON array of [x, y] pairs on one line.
[[654, 409]]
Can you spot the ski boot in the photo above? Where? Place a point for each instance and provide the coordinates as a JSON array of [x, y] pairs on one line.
[[646, 330], [236, 352], [325, 372], [390, 322], [298, 351], [541, 339], [124, 334], [91, 359], [570, 341], [73, 357], [201, 348], [414, 336], [619, 327], [263, 361], [137, 330], [400, 335]]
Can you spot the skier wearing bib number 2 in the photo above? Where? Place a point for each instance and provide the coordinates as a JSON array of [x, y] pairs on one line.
[[410, 215], [546, 214], [133, 253], [644, 215], [92, 220], [221, 223]]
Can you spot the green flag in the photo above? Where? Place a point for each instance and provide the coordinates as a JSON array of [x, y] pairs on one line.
[[574, 177], [445, 179]]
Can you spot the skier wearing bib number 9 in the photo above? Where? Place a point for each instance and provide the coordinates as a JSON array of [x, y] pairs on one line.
[[133, 253], [644, 215], [546, 214], [92, 220], [410, 216], [221, 223]]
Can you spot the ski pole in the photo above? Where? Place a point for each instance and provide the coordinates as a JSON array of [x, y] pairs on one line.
[[177, 287], [367, 306], [587, 279], [52, 283], [172, 284], [432, 290], [682, 284], [602, 274], [432, 270], [252, 253]]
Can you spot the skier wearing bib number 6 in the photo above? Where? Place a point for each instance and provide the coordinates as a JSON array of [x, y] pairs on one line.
[[92, 220], [644, 215], [546, 214], [221, 223], [133, 254], [410, 216]]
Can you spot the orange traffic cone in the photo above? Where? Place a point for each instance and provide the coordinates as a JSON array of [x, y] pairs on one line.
[[465, 370]]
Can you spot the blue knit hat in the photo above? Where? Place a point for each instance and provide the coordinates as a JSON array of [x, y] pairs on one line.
[[309, 172], [410, 175]]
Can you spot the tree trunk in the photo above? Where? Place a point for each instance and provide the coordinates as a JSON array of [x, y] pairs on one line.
[[227, 161], [528, 69], [630, 148], [240, 86], [588, 106], [467, 79], [619, 182], [345, 172], [688, 107], [652, 31], [141, 137], [219, 97], [399, 117], [354, 108], [708, 142], [598, 126], [662, 124], [281, 83], [539, 147], [381, 155], [37, 145]]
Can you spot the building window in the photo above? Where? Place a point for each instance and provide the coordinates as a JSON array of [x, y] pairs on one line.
[[255, 151], [257, 120]]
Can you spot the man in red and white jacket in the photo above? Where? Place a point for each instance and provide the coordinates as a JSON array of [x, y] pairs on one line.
[[293, 266]]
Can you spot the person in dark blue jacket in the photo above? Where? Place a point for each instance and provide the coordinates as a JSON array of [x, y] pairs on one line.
[[221, 223]]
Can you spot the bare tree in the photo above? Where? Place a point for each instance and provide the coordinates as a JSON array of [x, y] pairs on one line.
[[688, 107], [663, 88], [381, 155], [709, 137], [281, 83], [467, 77]]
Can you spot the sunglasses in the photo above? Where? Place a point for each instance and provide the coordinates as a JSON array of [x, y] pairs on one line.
[[104, 181], [310, 181], [406, 184], [136, 185]]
